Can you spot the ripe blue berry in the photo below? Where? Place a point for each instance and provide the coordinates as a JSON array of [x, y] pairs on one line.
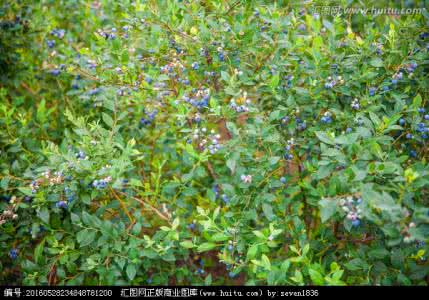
[[200, 271], [50, 43], [225, 198], [356, 223], [55, 72], [13, 253], [61, 204], [401, 122], [195, 66]]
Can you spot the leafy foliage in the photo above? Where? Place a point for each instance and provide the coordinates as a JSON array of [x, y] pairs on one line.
[[213, 142]]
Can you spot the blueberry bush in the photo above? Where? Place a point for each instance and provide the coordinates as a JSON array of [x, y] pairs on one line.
[[213, 142]]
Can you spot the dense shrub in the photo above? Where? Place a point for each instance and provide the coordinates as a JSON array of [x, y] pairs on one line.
[[215, 142]]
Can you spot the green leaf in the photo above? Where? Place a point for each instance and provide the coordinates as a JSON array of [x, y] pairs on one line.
[[204, 247], [231, 164], [268, 211], [219, 237], [38, 252], [275, 81], [137, 228], [417, 101], [43, 214], [252, 251], [316, 277], [324, 137], [266, 262], [327, 209], [376, 62], [187, 244], [131, 271], [107, 119], [85, 237]]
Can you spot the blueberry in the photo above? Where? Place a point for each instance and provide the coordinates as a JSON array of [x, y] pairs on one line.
[[13, 253], [61, 204], [200, 271], [413, 153], [401, 122], [50, 43], [221, 56], [55, 72], [215, 190], [225, 198], [372, 91], [426, 117], [348, 130], [230, 247], [356, 223], [94, 92], [409, 136], [283, 180], [80, 155]]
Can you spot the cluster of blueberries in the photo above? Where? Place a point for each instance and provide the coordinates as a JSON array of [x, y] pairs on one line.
[[81, 155], [101, 183], [216, 191], [288, 155], [350, 206], [326, 118], [331, 82], [199, 98], [300, 124], [59, 33], [422, 129], [110, 34], [243, 107], [355, 104], [149, 117], [70, 197], [13, 253]]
